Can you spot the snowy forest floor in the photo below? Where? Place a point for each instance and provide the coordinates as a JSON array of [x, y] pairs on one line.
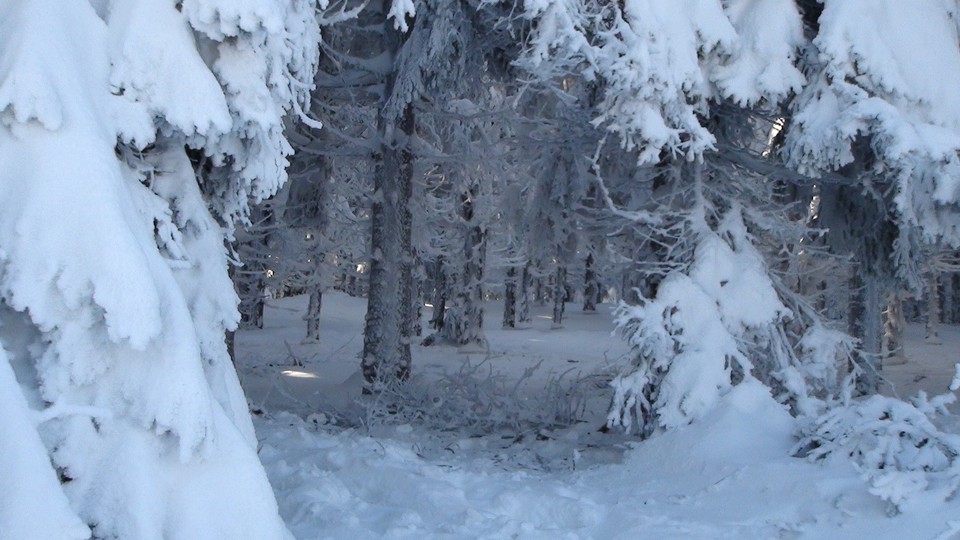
[[504, 443]]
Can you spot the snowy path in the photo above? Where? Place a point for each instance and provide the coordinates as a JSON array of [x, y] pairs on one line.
[[727, 476]]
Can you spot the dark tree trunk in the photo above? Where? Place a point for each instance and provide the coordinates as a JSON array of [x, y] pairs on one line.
[[250, 289], [510, 299], [559, 294], [353, 286], [463, 325], [307, 208], [523, 308], [439, 294], [416, 310], [590, 286], [313, 313], [946, 314], [954, 314], [231, 339], [387, 330], [932, 326]]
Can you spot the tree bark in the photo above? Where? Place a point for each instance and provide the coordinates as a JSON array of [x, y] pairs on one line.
[[463, 325], [439, 295], [418, 292], [523, 309], [947, 314], [313, 313], [387, 330], [559, 295], [954, 315], [894, 324], [932, 326], [231, 339], [510, 299], [250, 289], [590, 286]]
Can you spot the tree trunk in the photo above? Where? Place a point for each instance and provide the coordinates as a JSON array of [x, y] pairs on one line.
[[231, 339], [590, 286], [310, 197], [932, 327], [439, 295], [510, 299], [476, 247], [894, 324], [523, 309], [463, 325], [559, 295], [416, 310], [250, 279], [313, 313], [954, 315], [947, 314], [353, 286], [250, 289], [866, 316], [387, 329]]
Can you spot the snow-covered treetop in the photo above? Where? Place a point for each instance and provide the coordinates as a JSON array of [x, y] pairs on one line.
[[660, 63], [887, 71], [436, 55]]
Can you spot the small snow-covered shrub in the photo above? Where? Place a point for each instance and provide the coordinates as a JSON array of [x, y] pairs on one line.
[[719, 321], [685, 358], [894, 444]]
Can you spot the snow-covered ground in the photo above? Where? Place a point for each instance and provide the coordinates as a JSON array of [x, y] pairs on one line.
[[341, 469]]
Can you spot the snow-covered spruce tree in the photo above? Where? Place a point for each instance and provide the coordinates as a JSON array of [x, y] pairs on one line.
[[423, 61], [507, 240], [880, 110], [551, 237], [658, 65], [463, 251], [463, 129], [719, 316], [507, 244], [311, 251], [114, 294], [552, 210], [663, 67], [431, 65], [324, 213], [318, 229]]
